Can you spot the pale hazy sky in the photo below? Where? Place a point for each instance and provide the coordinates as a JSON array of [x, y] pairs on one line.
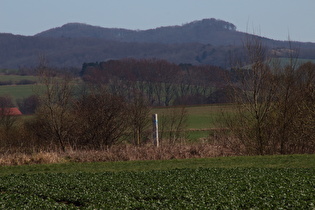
[[276, 19]]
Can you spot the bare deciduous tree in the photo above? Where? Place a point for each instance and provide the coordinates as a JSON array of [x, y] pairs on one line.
[[54, 113], [173, 124], [101, 117], [255, 93], [138, 117]]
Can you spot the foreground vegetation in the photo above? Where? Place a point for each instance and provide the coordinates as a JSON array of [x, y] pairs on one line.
[[231, 182]]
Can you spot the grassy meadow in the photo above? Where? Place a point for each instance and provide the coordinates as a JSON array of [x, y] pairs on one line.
[[200, 117], [202, 120], [17, 91]]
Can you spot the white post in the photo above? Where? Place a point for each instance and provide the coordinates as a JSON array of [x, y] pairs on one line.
[[155, 130]]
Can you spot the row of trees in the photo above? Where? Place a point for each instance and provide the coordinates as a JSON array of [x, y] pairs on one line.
[[163, 83]]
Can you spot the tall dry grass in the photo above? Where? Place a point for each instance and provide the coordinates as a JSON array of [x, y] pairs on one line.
[[124, 152], [25, 158]]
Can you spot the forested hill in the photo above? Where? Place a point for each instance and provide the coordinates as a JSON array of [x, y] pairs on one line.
[[207, 31], [207, 41]]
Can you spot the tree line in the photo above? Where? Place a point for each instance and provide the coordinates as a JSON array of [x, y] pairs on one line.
[[162, 82]]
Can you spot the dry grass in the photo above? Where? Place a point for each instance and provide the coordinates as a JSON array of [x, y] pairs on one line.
[[118, 153], [36, 158]]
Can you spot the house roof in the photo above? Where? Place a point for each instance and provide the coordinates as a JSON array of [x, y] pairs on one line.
[[10, 111]]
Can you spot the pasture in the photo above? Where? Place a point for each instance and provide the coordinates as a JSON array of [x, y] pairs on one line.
[[200, 117], [266, 182], [17, 91]]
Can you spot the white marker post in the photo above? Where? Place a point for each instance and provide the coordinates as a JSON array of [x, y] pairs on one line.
[[155, 130]]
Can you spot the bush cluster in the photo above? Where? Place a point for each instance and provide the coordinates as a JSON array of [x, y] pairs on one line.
[[275, 106]]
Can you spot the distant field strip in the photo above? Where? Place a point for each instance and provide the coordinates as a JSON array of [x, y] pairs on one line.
[[16, 78]]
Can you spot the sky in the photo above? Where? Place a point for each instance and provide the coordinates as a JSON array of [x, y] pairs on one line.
[[275, 19]]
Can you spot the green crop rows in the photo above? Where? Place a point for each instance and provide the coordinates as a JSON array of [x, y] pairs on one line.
[[214, 188]]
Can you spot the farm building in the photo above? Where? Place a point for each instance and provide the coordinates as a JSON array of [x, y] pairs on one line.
[[10, 111]]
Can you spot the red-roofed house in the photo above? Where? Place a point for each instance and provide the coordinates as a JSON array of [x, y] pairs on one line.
[[10, 111]]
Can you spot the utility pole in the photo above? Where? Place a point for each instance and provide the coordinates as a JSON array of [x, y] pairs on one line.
[[155, 130]]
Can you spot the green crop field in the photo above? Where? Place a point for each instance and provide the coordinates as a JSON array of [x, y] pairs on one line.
[[269, 182]]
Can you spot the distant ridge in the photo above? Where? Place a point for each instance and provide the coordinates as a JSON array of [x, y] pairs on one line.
[[206, 31], [202, 42]]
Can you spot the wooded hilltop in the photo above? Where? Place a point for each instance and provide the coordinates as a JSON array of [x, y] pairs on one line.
[[208, 41]]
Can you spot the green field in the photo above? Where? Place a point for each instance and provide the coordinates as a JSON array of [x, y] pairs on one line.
[[201, 120], [17, 91], [261, 182], [200, 117]]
